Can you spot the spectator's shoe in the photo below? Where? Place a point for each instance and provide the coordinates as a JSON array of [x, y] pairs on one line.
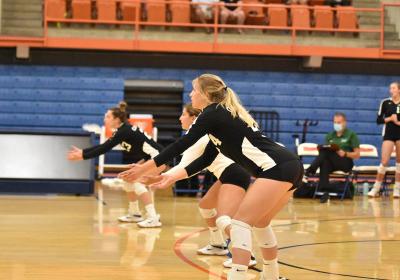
[[324, 198], [151, 222], [213, 250], [396, 192], [252, 262], [374, 192], [135, 218]]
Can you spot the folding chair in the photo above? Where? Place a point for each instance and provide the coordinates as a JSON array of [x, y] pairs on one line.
[[323, 17], [81, 9], [389, 175], [128, 9], [277, 15], [300, 16], [366, 151], [56, 9], [106, 10], [180, 12], [311, 149]]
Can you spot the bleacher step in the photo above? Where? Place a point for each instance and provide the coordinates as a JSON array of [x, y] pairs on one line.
[[19, 23], [22, 31]]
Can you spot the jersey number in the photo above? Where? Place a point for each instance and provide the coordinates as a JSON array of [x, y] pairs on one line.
[[125, 146], [215, 141]]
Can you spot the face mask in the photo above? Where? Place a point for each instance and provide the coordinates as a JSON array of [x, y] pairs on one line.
[[337, 127]]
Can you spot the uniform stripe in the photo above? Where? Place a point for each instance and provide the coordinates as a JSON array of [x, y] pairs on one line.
[[261, 159], [150, 150]]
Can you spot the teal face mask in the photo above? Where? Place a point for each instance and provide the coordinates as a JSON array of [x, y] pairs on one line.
[[337, 127]]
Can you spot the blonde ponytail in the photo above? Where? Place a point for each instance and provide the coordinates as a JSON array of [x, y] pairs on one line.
[[216, 91], [232, 103]]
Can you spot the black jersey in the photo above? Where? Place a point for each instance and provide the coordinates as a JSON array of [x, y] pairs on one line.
[[233, 138], [135, 144], [386, 109]]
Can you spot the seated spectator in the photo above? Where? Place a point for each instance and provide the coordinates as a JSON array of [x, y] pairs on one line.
[[340, 149], [334, 3], [234, 11], [205, 12]]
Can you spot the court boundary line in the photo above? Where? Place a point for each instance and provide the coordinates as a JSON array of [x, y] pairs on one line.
[[179, 253], [181, 240], [333, 242]]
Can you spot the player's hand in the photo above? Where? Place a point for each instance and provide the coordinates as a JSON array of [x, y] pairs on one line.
[[341, 153], [132, 174], [137, 171], [75, 154], [149, 180], [164, 182], [393, 118]]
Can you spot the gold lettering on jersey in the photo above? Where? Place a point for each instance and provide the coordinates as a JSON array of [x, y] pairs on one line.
[[215, 140], [126, 146]]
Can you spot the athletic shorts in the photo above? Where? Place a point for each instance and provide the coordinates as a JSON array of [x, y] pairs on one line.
[[290, 171], [234, 174], [391, 137]]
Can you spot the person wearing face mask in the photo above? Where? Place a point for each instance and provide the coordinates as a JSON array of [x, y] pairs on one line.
[[343, 148]]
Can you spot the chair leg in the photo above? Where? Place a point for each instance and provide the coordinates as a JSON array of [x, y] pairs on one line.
[[346, 186], [316, 190]]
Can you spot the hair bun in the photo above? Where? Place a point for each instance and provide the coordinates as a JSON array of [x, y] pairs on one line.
[[122, 106]]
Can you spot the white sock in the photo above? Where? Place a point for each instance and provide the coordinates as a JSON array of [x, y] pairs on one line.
[[151, 211], [377, 185], [216, 237], [133, 207], [237, 272], [271, 269]]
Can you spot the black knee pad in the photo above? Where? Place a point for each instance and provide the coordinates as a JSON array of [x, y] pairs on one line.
[[234, 174]]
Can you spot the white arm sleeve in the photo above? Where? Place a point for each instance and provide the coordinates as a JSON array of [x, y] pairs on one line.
[[191, 154]]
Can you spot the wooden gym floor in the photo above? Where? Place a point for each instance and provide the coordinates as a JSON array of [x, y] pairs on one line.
[[68, 237]]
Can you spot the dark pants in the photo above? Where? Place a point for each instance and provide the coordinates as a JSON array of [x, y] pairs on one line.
[[334, 3], [327, 162]]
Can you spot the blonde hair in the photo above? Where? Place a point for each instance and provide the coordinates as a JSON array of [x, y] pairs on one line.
[[216, 91]]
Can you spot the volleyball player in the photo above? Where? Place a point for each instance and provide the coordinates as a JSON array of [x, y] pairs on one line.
[[137, 146], [215, 207], [234, 133], [389, 116]]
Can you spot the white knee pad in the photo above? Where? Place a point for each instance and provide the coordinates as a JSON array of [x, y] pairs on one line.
[[208, 213], [223, 222], [265, 237], [397, 167], [139, 189], [382, 169], [129, 187], [241, 235]]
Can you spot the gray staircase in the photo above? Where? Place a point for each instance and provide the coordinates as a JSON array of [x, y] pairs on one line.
[[22, 18], [371, 20]]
